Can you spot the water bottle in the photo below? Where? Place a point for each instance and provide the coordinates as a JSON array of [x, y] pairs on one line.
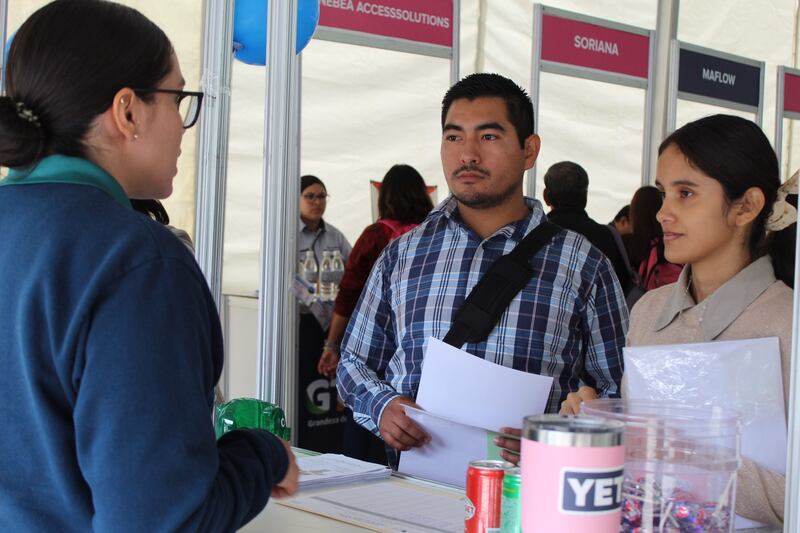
[[250, 413], [338, 271], [309, 270], [326, 277]]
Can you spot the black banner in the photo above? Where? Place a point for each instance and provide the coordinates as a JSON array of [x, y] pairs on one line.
[[320, 416], [722, 79]]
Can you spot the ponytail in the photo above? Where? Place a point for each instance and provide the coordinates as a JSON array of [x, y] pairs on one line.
[[22, 139], [780, 245]]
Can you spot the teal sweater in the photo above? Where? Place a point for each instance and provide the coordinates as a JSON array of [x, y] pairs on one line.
[[110, 347]]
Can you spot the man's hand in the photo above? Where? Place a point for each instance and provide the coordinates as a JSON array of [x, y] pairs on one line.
[[510, 445], [399, 431], [572, 405], [288, 484], [327, 363]]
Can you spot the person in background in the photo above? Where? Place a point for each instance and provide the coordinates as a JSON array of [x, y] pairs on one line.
[[569, 319], [623, 232], [403, 202], [155, 210], [320, 425], [111, 343], [647, 242], [566, 191], [622, 221], [727, 217]]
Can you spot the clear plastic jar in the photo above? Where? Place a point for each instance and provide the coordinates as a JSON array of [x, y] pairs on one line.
[[680, 465]]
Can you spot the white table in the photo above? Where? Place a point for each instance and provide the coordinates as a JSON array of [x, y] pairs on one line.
[[279, 518]]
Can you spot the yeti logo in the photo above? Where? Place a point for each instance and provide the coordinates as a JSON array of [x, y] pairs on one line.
[[319, 398], [590, 491]]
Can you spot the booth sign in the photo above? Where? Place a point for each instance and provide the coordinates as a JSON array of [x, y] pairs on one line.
[[582, 44], [418, 26], [715, 77]]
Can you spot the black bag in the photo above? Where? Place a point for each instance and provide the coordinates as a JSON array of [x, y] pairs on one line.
[[490, 297]]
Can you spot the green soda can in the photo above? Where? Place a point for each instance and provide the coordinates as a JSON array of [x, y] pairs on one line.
[[250, 413], [511, 512]]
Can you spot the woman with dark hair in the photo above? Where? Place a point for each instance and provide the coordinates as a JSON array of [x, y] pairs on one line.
[[319, 422], [403, 202], [155, 210], [110, 345], [646, 242], [727, 217]]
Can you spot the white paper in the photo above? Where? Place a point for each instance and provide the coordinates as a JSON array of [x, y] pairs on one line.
[[387, 506], [446, 457], [328, 469], [743, 375], [470, 390]]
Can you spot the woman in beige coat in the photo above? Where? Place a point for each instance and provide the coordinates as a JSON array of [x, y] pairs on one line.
[[729, 220]]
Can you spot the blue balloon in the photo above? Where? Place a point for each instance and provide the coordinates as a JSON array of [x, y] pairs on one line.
[[7, 48], [250, 28]]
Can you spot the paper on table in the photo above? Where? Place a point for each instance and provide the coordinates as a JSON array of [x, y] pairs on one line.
[[453, 445], [470, 390], [329, 469], [744, 375], [387, 506]]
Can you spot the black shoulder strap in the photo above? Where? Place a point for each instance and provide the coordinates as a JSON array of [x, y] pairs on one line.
[[508, 275]]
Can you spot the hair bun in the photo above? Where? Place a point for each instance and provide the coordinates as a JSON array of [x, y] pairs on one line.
[[22, 139]]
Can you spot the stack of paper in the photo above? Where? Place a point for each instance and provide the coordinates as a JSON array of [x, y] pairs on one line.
[[462, 415], [332, 469], [393, 506]]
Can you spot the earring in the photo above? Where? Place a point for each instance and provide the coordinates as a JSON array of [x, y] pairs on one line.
[[135, 136]]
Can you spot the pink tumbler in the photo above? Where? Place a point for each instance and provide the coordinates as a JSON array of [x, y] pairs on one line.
[[572, 471]]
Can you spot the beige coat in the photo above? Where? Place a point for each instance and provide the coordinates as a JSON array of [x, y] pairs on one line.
[[752, 304]]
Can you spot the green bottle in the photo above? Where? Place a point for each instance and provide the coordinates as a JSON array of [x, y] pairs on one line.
[[250, 413]]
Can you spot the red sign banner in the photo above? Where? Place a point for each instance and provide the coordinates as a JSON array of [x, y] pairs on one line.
[[421, 21], [582, 44], [791, 93]]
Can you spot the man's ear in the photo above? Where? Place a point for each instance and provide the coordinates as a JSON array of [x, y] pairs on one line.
[[125, 112], [749, 206], [545, 198], [531, 148]]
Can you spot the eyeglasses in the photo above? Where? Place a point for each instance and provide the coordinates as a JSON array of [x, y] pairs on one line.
[[322, 197], [188, 103]]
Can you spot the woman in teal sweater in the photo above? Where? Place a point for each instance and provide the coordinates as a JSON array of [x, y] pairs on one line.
[[110, 343]]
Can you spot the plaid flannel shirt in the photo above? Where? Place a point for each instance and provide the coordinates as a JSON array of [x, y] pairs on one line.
[[569, 322]]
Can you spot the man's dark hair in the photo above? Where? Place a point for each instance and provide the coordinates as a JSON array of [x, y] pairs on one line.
[[625, 212], [566, 184], [484, 85]]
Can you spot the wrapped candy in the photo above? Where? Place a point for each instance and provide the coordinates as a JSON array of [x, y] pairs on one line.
[[646, 509]]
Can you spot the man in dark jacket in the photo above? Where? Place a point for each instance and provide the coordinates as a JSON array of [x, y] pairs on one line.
[[566, 187]]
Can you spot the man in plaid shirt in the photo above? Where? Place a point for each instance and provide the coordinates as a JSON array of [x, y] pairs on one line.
[[569, 322]]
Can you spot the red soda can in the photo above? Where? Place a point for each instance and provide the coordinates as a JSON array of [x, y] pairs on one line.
[[484, 496]]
